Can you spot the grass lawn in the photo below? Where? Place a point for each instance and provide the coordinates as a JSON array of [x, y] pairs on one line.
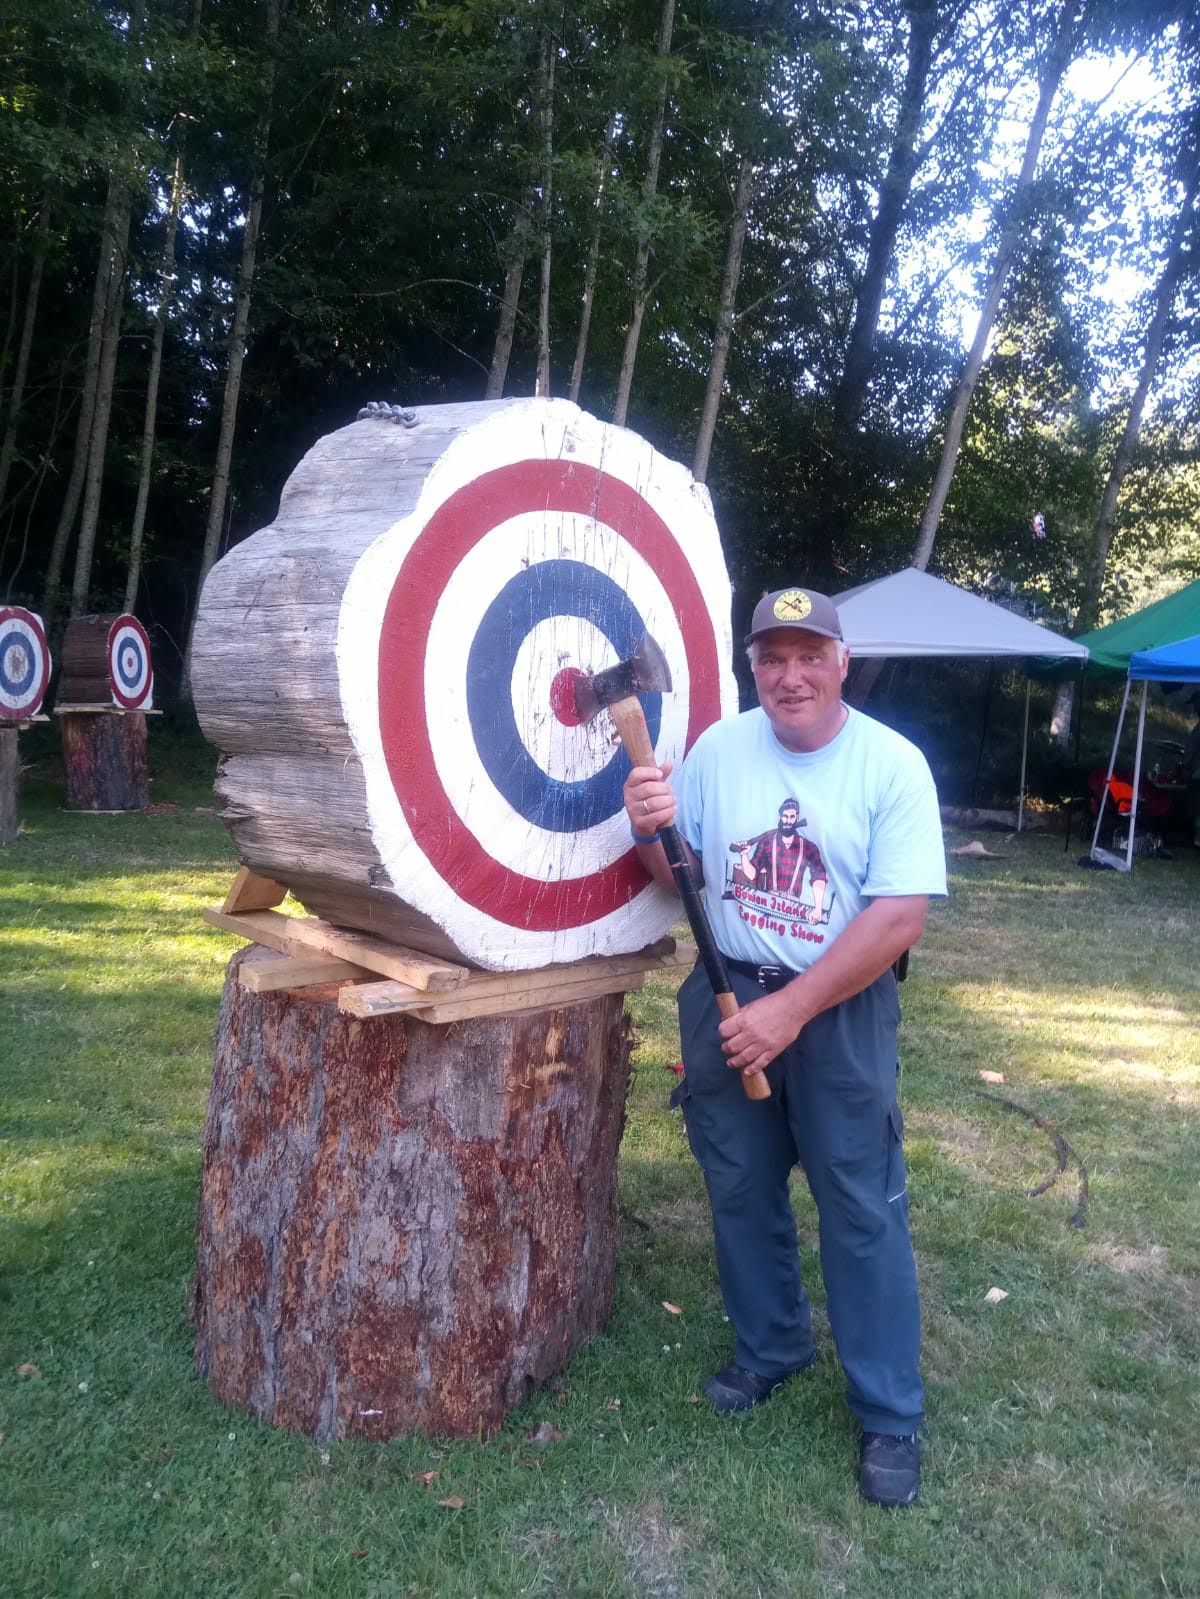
[[1062, 1449]]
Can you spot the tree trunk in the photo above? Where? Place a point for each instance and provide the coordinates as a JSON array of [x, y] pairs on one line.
[[1060, 57], [241, 314], [87, 403], [642, 260], [1181, 253], [149, 422], [723, 333], [546, 96], [21, 370], [593, 258], [885, 224], [102, 410], [10, 778], [510, 303], [403, 1227], [104, 760]]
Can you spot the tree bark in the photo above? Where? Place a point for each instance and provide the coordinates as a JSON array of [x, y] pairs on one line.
[[241, 313], [150, 418], [1060, 58], [723, 333], [10, 777], [403, 1227], [885, 224], [104, 760], [649, 191], [593, 258], [514, 273], [21, 370], [102, 409], [87, 403], [546, 96], [1182, 252]]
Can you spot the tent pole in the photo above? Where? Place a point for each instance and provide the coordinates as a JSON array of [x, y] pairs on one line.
[[987, 709], [1137, 777], [1079, 711], [1112, 761], [1024, 748]]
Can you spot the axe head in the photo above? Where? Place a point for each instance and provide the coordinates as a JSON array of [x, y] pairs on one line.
[[645, 672]]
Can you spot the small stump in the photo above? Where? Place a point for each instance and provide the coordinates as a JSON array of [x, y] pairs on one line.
[[104, 760], [10, 770], [403, 1227]]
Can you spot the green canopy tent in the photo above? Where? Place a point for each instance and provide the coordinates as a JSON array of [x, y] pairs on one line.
[[1165, 622]]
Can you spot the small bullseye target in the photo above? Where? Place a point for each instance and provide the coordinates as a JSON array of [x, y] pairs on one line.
[[543, 546], [24, 663], [130, 673]]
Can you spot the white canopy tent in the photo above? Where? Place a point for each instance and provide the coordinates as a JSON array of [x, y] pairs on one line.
[[913, 614]]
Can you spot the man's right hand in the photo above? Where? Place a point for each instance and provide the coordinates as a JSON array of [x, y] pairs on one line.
[[649, 798]]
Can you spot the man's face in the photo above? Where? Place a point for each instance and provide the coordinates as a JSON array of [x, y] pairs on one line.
[[799, 680], [788, 819]]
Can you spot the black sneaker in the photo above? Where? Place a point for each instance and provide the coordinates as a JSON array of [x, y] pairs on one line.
[[889, 1468], [734, 1388]]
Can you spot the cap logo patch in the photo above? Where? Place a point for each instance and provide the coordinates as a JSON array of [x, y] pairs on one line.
[[793, 605]]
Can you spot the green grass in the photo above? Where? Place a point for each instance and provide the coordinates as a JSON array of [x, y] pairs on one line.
[[1063, 1422]]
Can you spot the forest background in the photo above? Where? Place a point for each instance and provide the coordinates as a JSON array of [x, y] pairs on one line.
[[904, 282]]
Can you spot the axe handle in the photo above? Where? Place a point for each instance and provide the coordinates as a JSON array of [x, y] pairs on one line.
[[630, 722]]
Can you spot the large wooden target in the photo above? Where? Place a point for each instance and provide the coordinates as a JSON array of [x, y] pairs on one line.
[[464, 805], [24, 664]]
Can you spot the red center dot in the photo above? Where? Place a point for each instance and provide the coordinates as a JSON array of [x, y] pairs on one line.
[[562, 696]]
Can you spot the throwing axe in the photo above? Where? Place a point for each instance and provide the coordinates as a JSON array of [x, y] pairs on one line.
[[616, 689]]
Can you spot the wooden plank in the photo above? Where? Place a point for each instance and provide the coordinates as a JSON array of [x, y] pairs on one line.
[[250, 892], [520, 990], [468, 1009], [298, 971], [294, 935]]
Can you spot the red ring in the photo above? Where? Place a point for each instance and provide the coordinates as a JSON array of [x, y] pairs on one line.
[[454, 529], [18, 613]]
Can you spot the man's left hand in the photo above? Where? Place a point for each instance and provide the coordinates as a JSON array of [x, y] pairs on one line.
[[756, 1035]]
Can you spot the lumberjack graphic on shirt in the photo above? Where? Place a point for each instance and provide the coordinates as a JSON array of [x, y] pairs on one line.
[[771, 871]]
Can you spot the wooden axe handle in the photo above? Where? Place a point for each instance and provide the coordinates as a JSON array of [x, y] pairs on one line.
[[630, 722]]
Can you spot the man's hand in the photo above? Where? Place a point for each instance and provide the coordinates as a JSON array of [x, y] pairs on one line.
[[761, 1031], [649, 798]]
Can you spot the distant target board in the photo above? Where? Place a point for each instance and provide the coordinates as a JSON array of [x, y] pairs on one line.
[[534, 555], [389, 669], [130, 670], [24, 664]]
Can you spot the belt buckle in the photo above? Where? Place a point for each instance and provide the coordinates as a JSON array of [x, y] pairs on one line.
[[770, 978]]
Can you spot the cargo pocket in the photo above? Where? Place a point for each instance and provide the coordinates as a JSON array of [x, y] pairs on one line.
[[897, 1178]]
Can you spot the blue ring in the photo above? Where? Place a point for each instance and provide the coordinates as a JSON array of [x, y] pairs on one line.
[[130, 682], [26, 682], [544, 590]]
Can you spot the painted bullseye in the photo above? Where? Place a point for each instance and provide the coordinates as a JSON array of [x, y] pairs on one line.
[[130, 674], [24, 663], [562, 696]]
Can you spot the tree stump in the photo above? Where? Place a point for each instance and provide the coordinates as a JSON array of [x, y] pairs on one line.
[[403, 1227], [10, 770], [104, 760]]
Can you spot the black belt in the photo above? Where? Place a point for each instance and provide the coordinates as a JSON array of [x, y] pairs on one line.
[[769, 977]]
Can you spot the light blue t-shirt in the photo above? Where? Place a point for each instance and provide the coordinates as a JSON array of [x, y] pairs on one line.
[[793, 846]]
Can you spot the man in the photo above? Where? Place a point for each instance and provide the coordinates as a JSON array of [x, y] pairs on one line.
[[777, 860], [819, 1014]]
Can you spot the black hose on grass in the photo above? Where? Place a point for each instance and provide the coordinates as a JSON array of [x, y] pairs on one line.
[[1062, 1149]]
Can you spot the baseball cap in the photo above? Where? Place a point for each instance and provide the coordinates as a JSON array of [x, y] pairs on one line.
[[805, 608]]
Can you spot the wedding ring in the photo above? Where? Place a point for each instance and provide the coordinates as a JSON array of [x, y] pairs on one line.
[[646, 806]]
